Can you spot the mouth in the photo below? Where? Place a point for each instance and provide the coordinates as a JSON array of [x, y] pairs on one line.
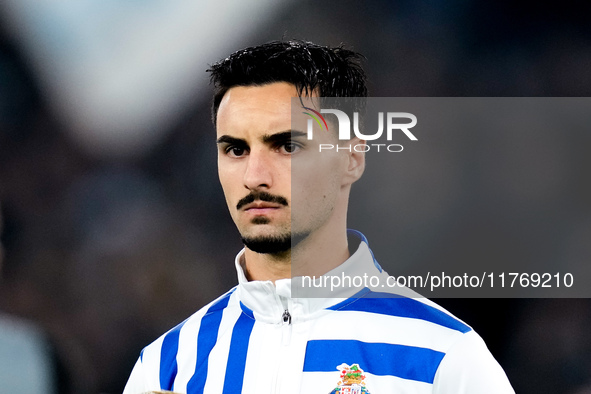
[[261, 200], [261, 207]]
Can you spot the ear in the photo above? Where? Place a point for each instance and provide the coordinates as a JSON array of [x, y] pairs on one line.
[[356, 161]]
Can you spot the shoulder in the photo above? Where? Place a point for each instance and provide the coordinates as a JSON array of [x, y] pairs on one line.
[[157, 364], [410, 328], [470, 365], [193, 322], [399, 307], [167, 344]]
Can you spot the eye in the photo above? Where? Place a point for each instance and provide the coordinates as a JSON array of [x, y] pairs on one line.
[[290, 147], [235, 151]]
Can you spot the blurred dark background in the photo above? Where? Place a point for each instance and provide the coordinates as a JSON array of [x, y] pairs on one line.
[[109, 240]]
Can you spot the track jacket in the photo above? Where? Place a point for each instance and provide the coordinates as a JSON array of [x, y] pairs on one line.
[[257, 339]]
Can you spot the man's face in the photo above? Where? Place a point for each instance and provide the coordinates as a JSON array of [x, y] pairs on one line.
[[257, 151]]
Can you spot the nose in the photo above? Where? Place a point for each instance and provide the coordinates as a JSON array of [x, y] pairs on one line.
[[258, 174]]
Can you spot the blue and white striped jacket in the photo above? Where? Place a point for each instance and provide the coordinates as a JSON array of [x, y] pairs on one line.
[[244, 342]]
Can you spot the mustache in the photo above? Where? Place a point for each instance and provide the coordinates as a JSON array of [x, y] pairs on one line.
[[262, 196]]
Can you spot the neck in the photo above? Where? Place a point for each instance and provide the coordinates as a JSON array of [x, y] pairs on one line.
[[315, 256], [259, 266]]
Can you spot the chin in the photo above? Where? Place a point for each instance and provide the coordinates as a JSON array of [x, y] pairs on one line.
[[268, 244]]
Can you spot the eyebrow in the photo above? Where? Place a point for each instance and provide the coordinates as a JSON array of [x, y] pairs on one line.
[[226, 139], [282, 136], [267, 138]]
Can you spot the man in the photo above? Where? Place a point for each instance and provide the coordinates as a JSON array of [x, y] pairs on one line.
[[289, 204]]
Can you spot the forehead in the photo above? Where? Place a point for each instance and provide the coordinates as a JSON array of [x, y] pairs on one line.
[[241, 100], [260, 107]]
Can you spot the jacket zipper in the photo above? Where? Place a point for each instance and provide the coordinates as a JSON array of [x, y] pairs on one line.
[[286, 317], [285, 340]]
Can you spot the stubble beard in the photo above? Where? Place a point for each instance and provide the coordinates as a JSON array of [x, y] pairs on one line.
[[274, 244]]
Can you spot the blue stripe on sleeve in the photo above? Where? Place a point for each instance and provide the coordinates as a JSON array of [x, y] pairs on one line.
[[406, 362], [237, 357], [206, 340], [168, 365], [395, 305]]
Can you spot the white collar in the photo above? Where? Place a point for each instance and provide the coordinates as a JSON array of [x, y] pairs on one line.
[[269, 301]]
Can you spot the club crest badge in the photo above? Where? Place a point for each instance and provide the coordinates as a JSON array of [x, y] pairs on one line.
[[352, 380]]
